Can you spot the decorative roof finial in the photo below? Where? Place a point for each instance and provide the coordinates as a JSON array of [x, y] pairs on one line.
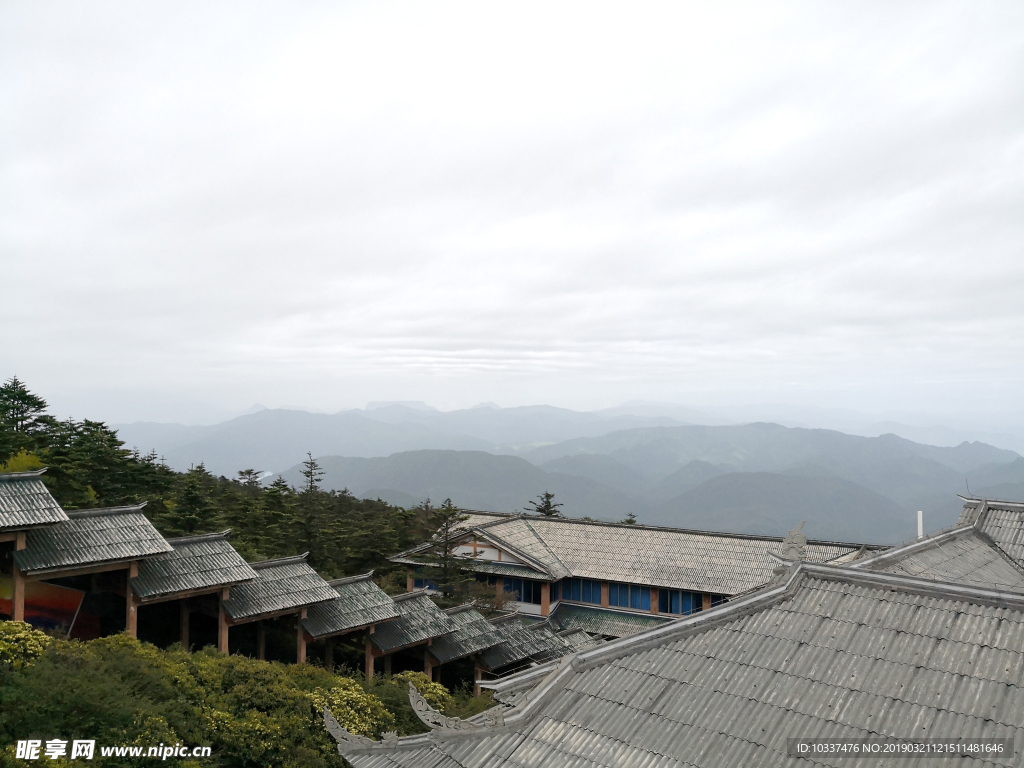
[[794, 546], [431, 717]]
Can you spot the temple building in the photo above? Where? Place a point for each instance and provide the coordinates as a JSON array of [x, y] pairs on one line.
[[922, 640], [613, 579]]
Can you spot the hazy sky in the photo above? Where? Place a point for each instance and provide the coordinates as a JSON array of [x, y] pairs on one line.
[[205, 205]]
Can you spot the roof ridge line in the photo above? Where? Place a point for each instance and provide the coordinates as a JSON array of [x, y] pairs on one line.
[[26, 475], [279, 561], [531, 561], [351, 579], [900, 550], [409, 595], [101, 511], [548, 547], [697, 531], [198, 537]]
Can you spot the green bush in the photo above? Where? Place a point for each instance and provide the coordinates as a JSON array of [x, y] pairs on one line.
[[20, 644], [120, 691]]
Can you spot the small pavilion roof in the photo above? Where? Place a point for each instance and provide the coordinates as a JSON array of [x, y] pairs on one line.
[[283, 585], [358, 603], [1001, 521], [26, 502], [419, 620], [203, 562], [91, 537], [961, 555], [519, 643], [604, 621], [472, 633]]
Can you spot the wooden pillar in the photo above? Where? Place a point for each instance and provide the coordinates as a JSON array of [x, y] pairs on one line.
[[545, 600], [222, 621], [410, 582], [478, 674], [604, 594], [387, 665], [654, 600], [131, 619], [428, 663], [368, 660], [18, 598], [329, 654], [706, 603], [183, 619], [300, 638], [499, 588], [261, 640]]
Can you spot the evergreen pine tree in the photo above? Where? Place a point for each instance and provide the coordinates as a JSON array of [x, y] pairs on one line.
[[443, 566], [544, 506], [193, 511]]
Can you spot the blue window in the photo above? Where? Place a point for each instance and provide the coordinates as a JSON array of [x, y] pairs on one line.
[[554, 591], [676, 601], [523, 590], [633, 596], [421, 583], [581, 590]]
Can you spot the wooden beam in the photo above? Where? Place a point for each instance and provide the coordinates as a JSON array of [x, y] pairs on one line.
[[706, 603], [604, 594], [428, 663], [222, 620], [18, 598], [63, 573], [183, 620], [368, 660], [261, 641], [545, 600], [478, 674], [300, 638], [131, 620], [654, 600]]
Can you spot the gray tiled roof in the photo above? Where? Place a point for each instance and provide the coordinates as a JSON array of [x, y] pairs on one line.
[[1001, 521], [700, 561], [603, 621], [959, 556], [195, 563], [420, 620], [285, 584], [835, 653], [519, 643], [359, 603], [25, 501], [472, 633], [579, 640], [91, 537]]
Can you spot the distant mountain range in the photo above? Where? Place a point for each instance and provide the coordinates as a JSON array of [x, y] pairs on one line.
[[272, 440], [755, 478]]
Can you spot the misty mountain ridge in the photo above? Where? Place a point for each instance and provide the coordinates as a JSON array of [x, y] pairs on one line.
[[608, 465], [758, 478]]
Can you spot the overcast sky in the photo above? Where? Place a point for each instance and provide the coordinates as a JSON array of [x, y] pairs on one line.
[[206, 205]]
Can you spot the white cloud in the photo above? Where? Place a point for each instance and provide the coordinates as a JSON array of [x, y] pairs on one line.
[[570, 203]]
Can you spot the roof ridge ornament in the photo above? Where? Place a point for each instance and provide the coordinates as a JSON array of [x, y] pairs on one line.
[[794, 546], [342, 736], [434, 719]]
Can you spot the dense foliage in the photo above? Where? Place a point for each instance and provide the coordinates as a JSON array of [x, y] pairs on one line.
[[88, 466], [252, 713]]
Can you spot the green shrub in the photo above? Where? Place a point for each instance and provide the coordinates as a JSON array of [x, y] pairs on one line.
[[20, 644]]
